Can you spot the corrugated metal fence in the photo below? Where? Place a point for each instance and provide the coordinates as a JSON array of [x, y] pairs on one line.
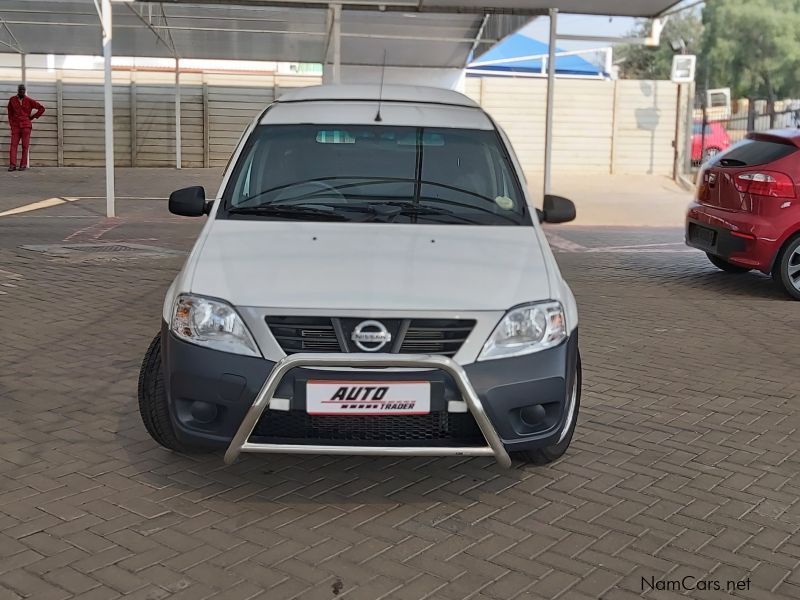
[[623, 126]]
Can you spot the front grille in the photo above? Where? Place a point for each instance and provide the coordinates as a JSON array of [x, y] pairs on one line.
[[332, 334], [436, 428], [304, 334], [429, 336]]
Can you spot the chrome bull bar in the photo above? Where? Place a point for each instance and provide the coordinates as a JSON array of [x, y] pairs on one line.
[[241, 443]]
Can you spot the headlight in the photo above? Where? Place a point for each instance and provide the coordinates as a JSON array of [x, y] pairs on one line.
[[212, 323], [526, 329]]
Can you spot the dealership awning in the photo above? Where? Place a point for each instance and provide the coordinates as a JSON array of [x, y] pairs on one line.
[[519, 54], [403, 33]]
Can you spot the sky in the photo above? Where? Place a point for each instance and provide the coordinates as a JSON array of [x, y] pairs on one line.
[[585, 25], [580, 25]]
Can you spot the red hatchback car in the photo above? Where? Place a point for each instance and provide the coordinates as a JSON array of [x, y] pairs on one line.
[[746, 214], [712, 143]]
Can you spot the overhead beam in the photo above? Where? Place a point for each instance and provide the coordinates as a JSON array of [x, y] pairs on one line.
[[168, 41], [14, 43], [612, 9], [479, 33], [407, 6], [601, 38]]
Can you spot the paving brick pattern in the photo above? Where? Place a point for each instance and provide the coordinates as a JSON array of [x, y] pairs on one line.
[[685, 461]]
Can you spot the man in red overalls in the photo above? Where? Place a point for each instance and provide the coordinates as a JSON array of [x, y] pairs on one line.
[[20, 108]]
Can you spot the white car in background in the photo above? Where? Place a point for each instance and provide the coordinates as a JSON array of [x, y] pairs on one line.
[[371, 279]]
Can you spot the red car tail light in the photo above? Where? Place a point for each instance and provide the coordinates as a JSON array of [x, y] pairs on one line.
[[765, 183]]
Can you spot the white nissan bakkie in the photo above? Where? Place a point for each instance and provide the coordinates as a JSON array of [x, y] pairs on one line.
[[371, 279]]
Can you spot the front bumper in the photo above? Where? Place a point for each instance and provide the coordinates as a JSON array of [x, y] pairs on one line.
[[495, 393]]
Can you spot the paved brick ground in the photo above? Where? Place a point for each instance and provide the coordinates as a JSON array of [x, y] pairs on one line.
[[684, 464]]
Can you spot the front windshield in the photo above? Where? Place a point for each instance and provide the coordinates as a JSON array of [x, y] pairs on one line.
[[374, 173]]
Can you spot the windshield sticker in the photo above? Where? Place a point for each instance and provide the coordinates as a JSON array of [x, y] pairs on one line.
[[504, 202]]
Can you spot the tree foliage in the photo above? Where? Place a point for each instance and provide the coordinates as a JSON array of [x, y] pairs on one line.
[[750, 46], [753, 47], [644, 62]]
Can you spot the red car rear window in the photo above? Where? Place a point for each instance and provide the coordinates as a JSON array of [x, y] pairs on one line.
[[753, 152]]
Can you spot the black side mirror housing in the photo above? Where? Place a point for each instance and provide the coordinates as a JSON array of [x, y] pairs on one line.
[[189, 202], [556, 210]]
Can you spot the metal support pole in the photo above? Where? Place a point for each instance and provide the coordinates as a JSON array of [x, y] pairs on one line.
[[60, 119], [704, 125], [206, 127], [23, 68], [689, 128], [337, 42], [177, 114], [676, 165], [548, 119], [108, 102], [132, 100]]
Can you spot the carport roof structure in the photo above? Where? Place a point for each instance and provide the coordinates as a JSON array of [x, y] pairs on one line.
[[404, 33], [419, 33]]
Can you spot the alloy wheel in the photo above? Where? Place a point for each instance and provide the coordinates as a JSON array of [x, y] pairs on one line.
[[793, 268]]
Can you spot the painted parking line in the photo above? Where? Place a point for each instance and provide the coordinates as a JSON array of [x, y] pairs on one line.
[[57, 201], [123, 198], [6, 279], [47, 203], [672, 247], [642, 250], [96, 230], [563, 244]]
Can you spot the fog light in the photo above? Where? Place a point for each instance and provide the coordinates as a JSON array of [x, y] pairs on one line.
[[533, 415], [203, 412]]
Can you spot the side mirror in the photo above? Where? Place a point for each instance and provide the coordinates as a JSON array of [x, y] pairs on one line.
[[556, 210], [189, 202]]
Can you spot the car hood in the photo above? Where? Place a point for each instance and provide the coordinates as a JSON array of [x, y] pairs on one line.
[[289, 264]]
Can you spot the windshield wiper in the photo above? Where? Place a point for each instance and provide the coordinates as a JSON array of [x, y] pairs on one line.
[[407, 209], [289, 212], [321, 192]]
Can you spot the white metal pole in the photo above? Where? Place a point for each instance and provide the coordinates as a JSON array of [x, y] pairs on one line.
[[24, 72], [177, 114], [548, 120], [337, 42], [108, 101]]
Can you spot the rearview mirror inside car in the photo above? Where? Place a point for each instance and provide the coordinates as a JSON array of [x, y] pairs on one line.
[[557, 210], [189, 202]]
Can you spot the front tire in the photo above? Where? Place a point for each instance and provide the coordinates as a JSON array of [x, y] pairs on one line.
[[548, 454], [153, 406], [787, 268], [726, 266]]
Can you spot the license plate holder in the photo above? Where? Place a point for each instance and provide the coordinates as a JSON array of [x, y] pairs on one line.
[[326, 397], [703, 236]]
